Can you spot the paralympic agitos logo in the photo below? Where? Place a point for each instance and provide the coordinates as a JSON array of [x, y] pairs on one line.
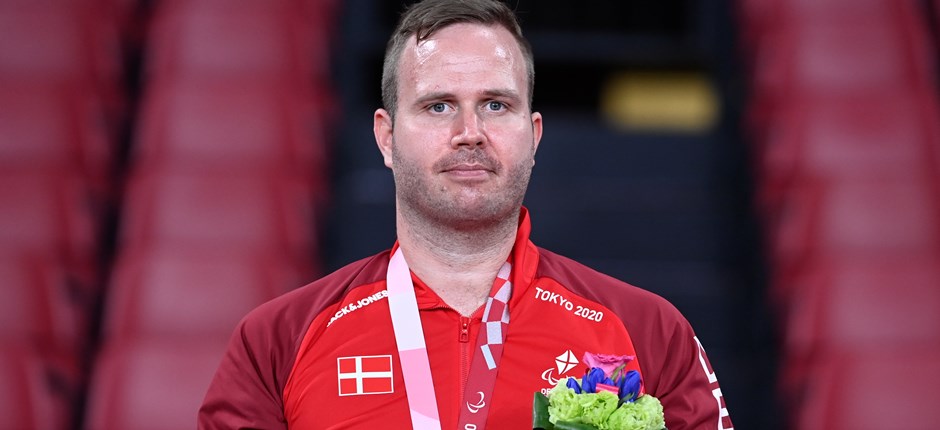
[[563, 363]]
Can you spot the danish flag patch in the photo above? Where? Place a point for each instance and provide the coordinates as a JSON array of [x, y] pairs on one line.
[[371, 374]]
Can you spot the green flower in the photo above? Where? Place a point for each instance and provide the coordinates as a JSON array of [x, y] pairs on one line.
[[654, 408], [646, 413], [563, 405], [597, 407]]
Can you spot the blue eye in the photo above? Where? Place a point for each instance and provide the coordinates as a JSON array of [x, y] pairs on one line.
[[494, 105], [438, 107]]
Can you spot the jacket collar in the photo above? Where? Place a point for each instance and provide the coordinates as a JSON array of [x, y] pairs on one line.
[[524, 258]]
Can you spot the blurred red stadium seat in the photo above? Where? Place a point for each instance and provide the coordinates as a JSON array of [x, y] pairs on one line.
[[38, 390], [241, 126], [843, 117], [819, 42], [314, 12], [150, 385], [864, 135], [883, 47], [52, 214], [220, 209], [881, 388], [110, 13], [59, 42], [855, 218], [55, 127], [192, 294], [888, 302], [246, 39], [760, 20], [40, 306]]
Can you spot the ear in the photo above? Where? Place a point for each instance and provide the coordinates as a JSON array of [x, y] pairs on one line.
[[536, 130], [382, 128]]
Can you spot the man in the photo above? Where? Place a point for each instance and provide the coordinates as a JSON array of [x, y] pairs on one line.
[[464, 319]]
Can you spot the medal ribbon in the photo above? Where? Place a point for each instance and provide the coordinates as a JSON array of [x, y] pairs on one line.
[[412, 351], [478, 392], [413, 354]]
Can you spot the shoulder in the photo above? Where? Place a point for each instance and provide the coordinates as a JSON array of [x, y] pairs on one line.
[[289, 313], [248, 385], [654, 324], [672, 361], [631, 303], [276, 328]]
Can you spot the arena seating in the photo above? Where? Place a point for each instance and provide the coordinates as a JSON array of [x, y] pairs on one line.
[[837, 52], [167, 166], [860, 306], [63, 43], [238, 127], [274, 41], [212, 209], [39, 306], [56, 127], [846, 149], [855, 217], [869, 134], [50, 213], [165, 170], [38, 388], [220, 285], [880, 388], [151, 383]]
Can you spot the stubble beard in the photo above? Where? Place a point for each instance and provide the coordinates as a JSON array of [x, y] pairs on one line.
[[465, 208]]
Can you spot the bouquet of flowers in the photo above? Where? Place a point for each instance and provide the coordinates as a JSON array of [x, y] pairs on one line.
[[606, 398]]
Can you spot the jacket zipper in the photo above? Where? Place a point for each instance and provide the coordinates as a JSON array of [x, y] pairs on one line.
[[463, 338], [465, 345]]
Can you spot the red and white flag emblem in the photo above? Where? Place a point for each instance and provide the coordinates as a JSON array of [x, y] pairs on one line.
[[364, 375]]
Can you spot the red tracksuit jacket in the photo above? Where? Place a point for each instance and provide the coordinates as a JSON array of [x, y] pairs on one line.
[[324, 356]]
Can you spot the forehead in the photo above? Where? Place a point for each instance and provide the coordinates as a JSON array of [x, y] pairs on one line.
[[460, 55]]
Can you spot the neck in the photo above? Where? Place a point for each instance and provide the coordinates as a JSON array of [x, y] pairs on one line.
[[459, 265]]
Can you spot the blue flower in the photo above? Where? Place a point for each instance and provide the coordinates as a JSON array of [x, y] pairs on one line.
[[592, 378], [629, 386], [573, 384]]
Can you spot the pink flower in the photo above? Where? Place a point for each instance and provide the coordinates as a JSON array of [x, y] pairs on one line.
[[606, 362]]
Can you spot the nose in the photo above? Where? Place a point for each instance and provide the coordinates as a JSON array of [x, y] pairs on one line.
[[468, 129]]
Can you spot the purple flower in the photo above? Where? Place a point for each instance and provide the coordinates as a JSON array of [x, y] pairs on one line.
[[629, 386], [573, 384], [592, 378]]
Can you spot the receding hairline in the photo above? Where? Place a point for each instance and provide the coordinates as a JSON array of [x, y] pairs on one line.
[[503, 40], [406, 34]]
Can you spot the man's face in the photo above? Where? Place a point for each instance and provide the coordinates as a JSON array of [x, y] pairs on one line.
[[463, 140]]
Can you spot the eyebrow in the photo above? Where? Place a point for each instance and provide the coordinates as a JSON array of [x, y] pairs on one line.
[[504, 94], [494, 93], [432, 96]]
